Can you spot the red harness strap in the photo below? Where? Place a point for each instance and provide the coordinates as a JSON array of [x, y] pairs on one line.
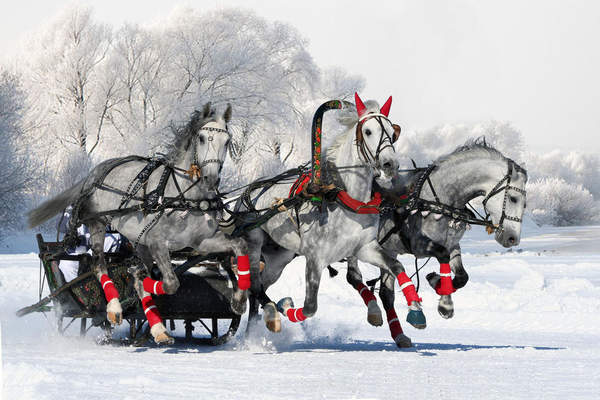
[[372, 207], [445, 286]]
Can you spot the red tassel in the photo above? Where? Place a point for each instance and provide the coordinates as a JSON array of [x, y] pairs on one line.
[[152, 286], [110, 291], [152, 314], [445, 286], [365, 293], [295, 315], [243, 265], [408, 288]]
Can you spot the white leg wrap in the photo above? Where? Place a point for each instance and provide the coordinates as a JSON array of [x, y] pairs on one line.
[[157, 329], [114, 306]]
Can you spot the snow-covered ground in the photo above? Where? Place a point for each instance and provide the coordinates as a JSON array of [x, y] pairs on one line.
[[526, 326]]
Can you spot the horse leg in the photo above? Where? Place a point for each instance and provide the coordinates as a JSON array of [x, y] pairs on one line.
[[141, 280], [375, 255], [220, 243], [275, 262], [442, 283], [354, 278], [386, 294], [313, 279], [114, 312]]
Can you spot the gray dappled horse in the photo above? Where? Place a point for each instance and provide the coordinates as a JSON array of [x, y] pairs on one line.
[[471, 171], [182, 185], [438, 219], [364, 152]]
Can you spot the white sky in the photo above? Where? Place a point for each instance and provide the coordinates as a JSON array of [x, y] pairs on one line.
[[534, 63]]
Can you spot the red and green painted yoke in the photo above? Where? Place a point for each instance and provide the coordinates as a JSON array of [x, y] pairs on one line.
[[317, 133]]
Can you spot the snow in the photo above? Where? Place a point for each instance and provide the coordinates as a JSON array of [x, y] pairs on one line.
[[525, 326]]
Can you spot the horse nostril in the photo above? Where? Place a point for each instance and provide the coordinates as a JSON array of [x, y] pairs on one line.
[[512, 240], [387, 165]]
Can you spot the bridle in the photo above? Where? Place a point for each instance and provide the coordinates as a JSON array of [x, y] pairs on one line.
[[196, 167], [499, 188], [385, 140]]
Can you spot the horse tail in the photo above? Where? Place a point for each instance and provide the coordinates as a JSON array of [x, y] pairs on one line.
[[50, 208]]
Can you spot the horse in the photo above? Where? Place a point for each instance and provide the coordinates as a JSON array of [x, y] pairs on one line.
[[436, 220], [165, 203], [328, 232]]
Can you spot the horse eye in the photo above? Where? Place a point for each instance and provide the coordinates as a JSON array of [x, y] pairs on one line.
[[202, 139], [513, 199], [368, 132]]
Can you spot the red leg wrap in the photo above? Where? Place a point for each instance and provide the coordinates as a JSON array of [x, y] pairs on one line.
[[152, 286], [110, 291], [408, 288], [365, 293], [295, 315], [243, 264], [394, 323], [152, 314], [445, 286]]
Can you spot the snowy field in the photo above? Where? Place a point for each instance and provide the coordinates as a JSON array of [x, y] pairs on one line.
[[526, 326]]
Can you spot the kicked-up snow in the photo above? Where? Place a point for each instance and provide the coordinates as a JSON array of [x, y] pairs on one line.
[[525, 326]]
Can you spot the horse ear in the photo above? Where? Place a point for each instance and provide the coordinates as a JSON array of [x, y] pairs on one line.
[[397, 131], [360, 107], [227, 114], [206, 110], [385, 110]]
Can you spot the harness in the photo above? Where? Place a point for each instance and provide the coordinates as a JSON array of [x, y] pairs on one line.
[[154, 201], [417, 204]]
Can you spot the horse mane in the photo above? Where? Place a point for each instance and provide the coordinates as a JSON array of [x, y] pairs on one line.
[[183, 134], [475, 147]]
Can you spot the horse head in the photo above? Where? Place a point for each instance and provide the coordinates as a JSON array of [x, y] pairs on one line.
[[208, 141], [375, 137], [505, 204]]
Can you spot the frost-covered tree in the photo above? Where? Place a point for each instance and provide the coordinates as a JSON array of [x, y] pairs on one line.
[[15, 168], [426, 146], [552, 201], [94, 91]]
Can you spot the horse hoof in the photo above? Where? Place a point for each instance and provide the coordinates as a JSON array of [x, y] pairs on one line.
[[374, 314], [403, 341], [285, 304], [115, 318], [164, 339], [416, 317], [238, 302], [271, 317], [446, 307]]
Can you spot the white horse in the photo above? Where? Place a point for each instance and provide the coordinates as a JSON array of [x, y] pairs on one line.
[[160, 205], [331, 232]]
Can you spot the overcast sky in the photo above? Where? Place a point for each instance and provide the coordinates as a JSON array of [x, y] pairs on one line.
[[533, 63]]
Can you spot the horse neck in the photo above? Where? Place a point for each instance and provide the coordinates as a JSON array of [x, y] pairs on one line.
[[358, 181], [459, 179]]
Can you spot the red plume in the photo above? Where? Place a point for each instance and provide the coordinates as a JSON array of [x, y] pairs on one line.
[[385, 110], [360, 107]]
